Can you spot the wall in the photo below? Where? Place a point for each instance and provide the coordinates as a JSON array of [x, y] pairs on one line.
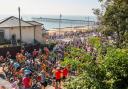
[[38, 33], [6, 32], [15, 49], [27, 33]]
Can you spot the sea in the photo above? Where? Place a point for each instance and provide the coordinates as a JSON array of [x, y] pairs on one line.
[[49, 25]]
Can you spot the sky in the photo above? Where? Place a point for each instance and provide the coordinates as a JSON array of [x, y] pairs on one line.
[[48, 7]]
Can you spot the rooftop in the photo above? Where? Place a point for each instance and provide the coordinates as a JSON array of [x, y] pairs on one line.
[[14, 22]]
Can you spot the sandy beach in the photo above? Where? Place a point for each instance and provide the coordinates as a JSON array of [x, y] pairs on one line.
[[62, 31]]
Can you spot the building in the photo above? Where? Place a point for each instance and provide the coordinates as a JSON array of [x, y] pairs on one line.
[[30, 30]]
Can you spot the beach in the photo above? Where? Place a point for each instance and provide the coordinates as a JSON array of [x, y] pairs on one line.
[[62, 31]]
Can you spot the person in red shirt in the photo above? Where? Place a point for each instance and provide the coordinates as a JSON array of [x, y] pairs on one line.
[[58, 74], [65, 73], [27, 82]]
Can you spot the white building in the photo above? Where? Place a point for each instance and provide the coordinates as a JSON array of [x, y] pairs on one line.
[[30, 30]]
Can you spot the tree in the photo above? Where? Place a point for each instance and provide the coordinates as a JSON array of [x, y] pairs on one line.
[[108, 72], [115, 21]]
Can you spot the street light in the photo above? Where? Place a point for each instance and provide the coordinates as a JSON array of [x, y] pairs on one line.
[[60, 23], [20, 25]]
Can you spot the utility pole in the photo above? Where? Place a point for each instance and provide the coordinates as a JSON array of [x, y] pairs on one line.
[[60, 23], [88, 22], [20, 25], [92, 24], [34, 34]]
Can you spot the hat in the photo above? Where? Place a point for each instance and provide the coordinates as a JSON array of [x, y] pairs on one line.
[[27, 71], [58, 68], [11, 79], [39, 74]]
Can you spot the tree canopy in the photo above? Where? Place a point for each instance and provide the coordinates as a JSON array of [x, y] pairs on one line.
[[108, 71], [115, 21]]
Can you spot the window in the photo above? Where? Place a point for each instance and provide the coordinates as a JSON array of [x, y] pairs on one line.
[[1, 35]]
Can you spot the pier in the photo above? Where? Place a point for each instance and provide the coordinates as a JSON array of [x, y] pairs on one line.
[[40, 19]]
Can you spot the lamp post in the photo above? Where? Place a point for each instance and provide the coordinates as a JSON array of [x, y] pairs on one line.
[[88, 22], [34, 34], [20, 25], [60, 23]]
